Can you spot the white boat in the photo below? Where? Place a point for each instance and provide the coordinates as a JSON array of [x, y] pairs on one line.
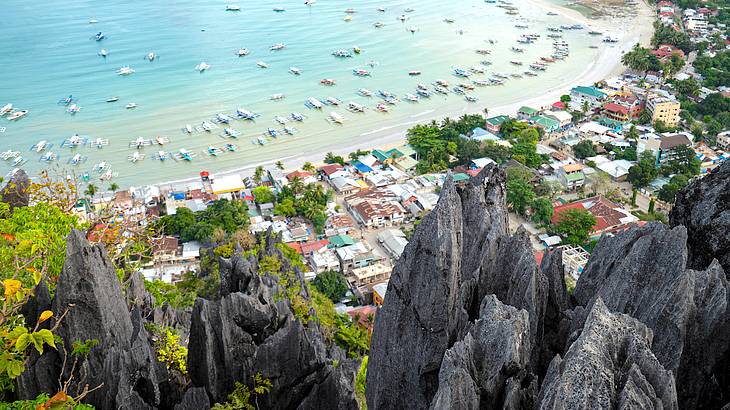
[[17, 115], [365, 92], [261, 140], [107, 175], [378, 24], [76, 159], [112, 99], [213, 151], [151, 56], [126, 70], [160, 140], [188, 128], [40, 146], [161, 155], [135, 156], [333, 101], [202, 66], [6, 109], [277, 97], [310, 2], [233, 7], [185, 155], [230, 132], [49, 157], [6, 155], [297, 116], [74, 141], [277, 46], [262, 64], [103, 52], [381, 9], [381, 107], [223, 118], [281, 120], [206, 126], [355, 107], [242, 52], [411, 97], [348, 18], [93, 21], [73, 109], [18, 161], [336, 118], [139, 143], [130, 106], [245, 114], [295, 70], [315, 103], [101, 142], [471, 98]]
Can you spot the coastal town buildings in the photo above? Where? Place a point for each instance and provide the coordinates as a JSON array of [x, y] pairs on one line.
[[663, 109]]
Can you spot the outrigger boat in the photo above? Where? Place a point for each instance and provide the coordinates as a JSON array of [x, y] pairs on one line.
[[74, 141], [336, 118], [272, 132], [289, 130], [184, 155], [365, 92], [202, 66], [277, 47], [77, 159], [281, 120], [355, 107], [101, 142], [49, 157], [73, 109], [223, 118], [231, 147], [332, 101], [242, 52], [206, 126], [40, 146], [19, 161], [6, 109], [6, 155], [471, 98], [411, 97], [295, 70], [161, 140], [245, 114], [380, 107], [297, 117], [461, 72], [261, 140], [230, 132], [328, 81], [66, 101], [125, 70], [213, 151], [161, 155], [188, 128], [314, 103], [140, 142], [135, 156]]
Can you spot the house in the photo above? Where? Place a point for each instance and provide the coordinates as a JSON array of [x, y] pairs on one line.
[[620, 112], [546, 123], [394, 241], [277, 178], [304, 176], [229, 184], [480, 134], [323, 260], [405, 163], [723, 140], [356, 256], [617, 169], [581, 94], [564, 119], [338, 241], [379, 291], [366, 275], [665, 51], [332, 170], [379, 213], [526, 112], [662, 146], [493, 124], [571, 176], [341, 223], [344, 185], [479, 163], [610, 217]]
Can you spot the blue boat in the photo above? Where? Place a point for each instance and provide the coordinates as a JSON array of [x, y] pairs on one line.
[[66, 101], [297, 117], [272, 132], [99, 36]]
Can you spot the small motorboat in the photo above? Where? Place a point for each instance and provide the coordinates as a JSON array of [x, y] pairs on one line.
[[414, 73], [233, 7], [297, 117], [188, 128], [272, 132], [103, 52], [277, 47], [112, 99], [231, 147], [150, 56], [289, 130], [295, 70], [262, 64], [342, 53], [327, 81], [6, 109], [126, 70], [361, 73], [213, 151], [66, 101], [73, 109], [99, 36], [279, 9], [277, 97], [131, 106], [281, 120], [378, 24], [202, 66], [242, 52]]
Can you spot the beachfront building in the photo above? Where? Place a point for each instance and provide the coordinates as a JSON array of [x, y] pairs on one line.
[[664, 109], [564, 119], [480, 135], [581, 94], [493, 124], [665, 51], [229, 186], [571, 176], [525, 112], [548, 124]]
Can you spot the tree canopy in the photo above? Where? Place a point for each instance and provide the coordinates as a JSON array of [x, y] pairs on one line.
[[575, 226]]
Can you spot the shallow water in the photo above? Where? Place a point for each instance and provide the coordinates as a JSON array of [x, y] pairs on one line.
[[48, 53]]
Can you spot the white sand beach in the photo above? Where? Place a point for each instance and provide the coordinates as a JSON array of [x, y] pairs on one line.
[[629, 32]]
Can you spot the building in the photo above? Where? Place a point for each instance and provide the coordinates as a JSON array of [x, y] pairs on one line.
[[571, 176], [480, 135], [662, 146], [394, 241], [581, 94], [526, 112], [376, 207], [723, 140], [493, 124], [663, 109], [323, 260], [356, 256], [563, 118], [617, 169], [366, 275], [228, 185], [665, 51], [610, 217], [379, 291], [344, 185], [545, 122], [619, 112]]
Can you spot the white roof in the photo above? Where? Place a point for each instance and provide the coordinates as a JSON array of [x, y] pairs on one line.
[[562, 116], [483, 162], [191, 249], [368, 160], [593, 127], [617, 168], [228, 183]]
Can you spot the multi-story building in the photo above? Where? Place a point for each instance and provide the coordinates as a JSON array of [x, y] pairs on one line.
[[663, 109], [662, 146], [571, 176]]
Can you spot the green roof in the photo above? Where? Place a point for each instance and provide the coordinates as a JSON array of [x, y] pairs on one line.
[[527, 110], [460, 177], [406, 150], [339, 241], [380, 155], [546, 122], [406, 163], [592, 91], [574, 176], [497, 120]]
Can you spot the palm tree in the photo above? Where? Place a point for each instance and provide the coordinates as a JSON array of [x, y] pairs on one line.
[[296, 185], [585, 107], [114, 187], [280, 165], [90, 190], [308, 166], [258, 174]]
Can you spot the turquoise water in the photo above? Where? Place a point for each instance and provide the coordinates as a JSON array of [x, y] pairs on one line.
[[48, 53]]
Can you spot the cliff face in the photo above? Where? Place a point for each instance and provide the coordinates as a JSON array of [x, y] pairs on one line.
[[639, 317]]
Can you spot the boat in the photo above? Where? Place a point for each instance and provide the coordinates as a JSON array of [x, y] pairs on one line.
[[314, 103], [441, 90], [485, 63], [49, 157], [355, 107], [130, 106], [6, 155], [471, 98], [380, 107], [295, 70], [477, 70], [151, 56], [411, 97], [281, 120], [327, 81], [93, 21], [297, 117], [277, 46], [135, 156], [231, 147], [261, 64], [188, 128], [185, 155], [412, 29], [230, 132], [310, 2], [513, 62], [126, 70], [385, 94], [482, 51], [348, 18], [381, 9], [552, 13], [40, 146], [140, 142], [222, 118], [66, 100], [112, 99], [409, 10], [466, 86], [342, 53], [161, 155], [206, 126], [76, 159], [73, 109], [378, 24], [245, 114], [279, 9], [18, 161], [402, 17], [361, 73], [101, 142], [521, 26], [103, 52], [609, 39], [6, 109], [414, 73], [350, 11], [233, 7], [202, 66], [390, 100], [17, 115], [423, 93], [482, 83], [461, 72], [213, 151], [272, 132], [261, 140], [242, 52], [530, 73], [518, 49], [107, 175], [99, 36], [365, 92], [74, 141], [448, 20], [336, 118], [277, 97], [289, 130], [595, 33], [161, 140]]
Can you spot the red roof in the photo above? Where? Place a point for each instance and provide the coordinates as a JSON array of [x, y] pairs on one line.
[[305, 248], [473, 172], [559, 104], [538, 256], [604, 210], [613, 107], [331, 169], [666, 51], [299, 174], [666, 14], [665, 4]]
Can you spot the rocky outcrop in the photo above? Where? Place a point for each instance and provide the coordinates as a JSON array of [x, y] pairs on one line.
[[642, 273], [703, 207], [253, 330], [460, 253], [123, 362], [15, 193], [611, 365]]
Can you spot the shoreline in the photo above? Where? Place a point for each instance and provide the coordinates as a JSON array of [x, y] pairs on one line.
[[607, 64]]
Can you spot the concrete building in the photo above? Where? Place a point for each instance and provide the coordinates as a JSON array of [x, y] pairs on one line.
[[571, 176], [368, 274], [663, 109]]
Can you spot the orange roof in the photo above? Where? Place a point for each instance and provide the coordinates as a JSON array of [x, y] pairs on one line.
[[601, 208], [572, 167]]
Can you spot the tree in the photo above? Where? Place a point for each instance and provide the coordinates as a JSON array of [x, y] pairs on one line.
[[332, 284], [263, 194], [632, 134], [114, 187], [565, 98], [542, 211], [280, 165], [683, 161], [258, 174], [519, 190], [645, 171], [575, 226], [308, 167], [90, 190], [331, 158], [600, 182], [585, 107], [669, 191], [285, 208], [584, 149]]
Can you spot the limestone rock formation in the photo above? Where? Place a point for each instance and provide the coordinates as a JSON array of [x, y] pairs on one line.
[[15, 192], [252, 329], [611, 365], [703, 207]]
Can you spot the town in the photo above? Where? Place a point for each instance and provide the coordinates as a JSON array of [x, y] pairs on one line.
[[603, 157]]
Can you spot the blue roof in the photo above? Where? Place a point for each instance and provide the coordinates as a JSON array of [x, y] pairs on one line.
[[362, 168], [480, 134]]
